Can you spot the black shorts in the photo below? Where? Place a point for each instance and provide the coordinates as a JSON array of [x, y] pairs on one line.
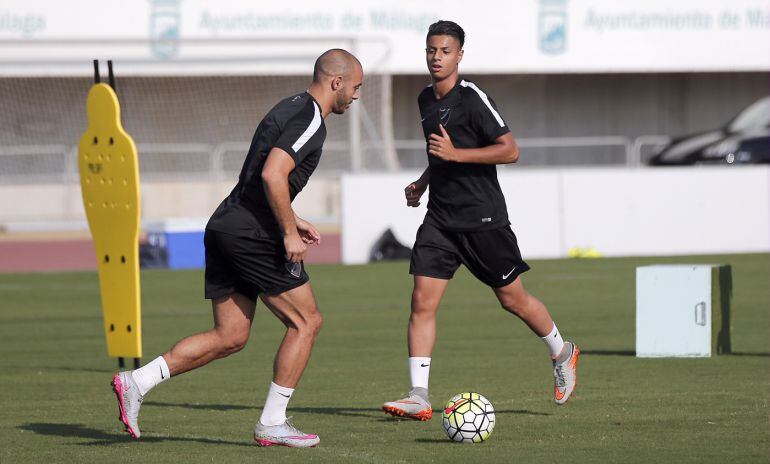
[[492, 256], [248, 266]]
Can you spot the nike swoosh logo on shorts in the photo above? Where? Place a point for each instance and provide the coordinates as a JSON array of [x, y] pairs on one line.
[[294, 269], [505, 276]]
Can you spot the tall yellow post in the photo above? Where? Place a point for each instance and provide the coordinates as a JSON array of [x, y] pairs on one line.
[[109, 180]]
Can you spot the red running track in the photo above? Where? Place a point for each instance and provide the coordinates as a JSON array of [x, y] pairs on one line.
[[79, 255]]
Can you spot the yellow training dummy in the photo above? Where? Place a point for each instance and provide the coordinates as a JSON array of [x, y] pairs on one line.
[[109, 180]]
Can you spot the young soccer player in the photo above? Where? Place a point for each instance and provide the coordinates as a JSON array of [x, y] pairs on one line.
[[467, 220], [255, 246]]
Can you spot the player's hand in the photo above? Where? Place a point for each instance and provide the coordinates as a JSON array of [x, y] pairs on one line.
[[295, 247], [441, 146], [413, 192], [307, 232]]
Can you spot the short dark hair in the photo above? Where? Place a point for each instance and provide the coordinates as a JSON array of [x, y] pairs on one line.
[[450, 28]]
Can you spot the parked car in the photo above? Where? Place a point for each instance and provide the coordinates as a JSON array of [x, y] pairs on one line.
[[743, 140]]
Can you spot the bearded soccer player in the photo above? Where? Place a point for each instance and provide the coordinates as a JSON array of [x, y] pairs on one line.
[[255, 246], [467, 220]]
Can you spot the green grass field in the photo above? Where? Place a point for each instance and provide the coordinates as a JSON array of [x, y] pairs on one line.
[[56, 404]]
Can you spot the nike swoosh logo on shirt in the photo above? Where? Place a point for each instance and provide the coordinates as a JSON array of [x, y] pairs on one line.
[[505, 276]]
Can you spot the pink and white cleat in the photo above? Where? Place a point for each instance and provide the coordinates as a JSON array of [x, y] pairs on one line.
[[283, 435], [129, 402]]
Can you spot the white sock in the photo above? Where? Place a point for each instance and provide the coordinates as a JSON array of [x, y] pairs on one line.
[[151, 374], [275, 405], [419, 371], [554, 341]]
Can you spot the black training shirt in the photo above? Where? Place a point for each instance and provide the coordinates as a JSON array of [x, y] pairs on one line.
[[294, 125], [463, 196]]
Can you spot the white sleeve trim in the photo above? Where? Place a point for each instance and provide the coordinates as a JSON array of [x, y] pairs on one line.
[[310, 131], [485, 99]]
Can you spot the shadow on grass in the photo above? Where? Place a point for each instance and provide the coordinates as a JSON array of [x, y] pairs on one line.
[[633, 353], [609, 352], [64, 368], [332, 411], [102, 438], [201, 407], [525, 412], [746, 353], [81, 369], [445, 441]]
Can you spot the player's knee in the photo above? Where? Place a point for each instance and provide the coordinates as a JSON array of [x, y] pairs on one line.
[[513, 304], [422, 304], [233, 346], [233, 342], [310, 324], [316, 321]]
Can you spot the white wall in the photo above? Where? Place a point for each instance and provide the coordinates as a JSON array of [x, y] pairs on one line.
[[55, 207], [618, 211], [240, 36]]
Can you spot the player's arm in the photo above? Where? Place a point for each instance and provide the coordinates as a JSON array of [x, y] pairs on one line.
[[504, 150], [275, 178], [414, 191]]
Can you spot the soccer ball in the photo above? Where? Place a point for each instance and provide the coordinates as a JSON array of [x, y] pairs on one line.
[[468, 418]]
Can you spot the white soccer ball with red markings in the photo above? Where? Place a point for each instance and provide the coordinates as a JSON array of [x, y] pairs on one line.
[[468, 418]]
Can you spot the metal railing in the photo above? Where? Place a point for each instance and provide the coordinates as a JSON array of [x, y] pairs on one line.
[[58, 162], [653, 141], [632, 147]]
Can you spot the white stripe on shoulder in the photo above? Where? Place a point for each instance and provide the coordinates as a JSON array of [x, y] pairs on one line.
[[485, 99], [310, 131]]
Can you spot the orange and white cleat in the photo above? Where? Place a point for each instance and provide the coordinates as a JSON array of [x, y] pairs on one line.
[[412, 407], [565, 374]]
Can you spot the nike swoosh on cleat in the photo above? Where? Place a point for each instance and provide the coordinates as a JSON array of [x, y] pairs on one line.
[[505, 276], [559, 395]]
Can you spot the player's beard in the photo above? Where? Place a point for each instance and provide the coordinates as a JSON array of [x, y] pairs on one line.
[[340, 103]]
